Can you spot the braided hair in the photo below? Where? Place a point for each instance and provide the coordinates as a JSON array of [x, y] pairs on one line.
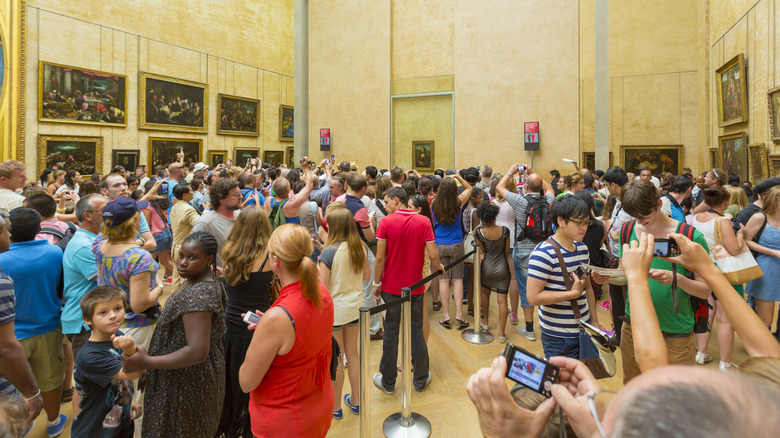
[[208, 243]]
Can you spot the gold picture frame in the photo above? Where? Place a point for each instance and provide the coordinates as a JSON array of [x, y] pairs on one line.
[[68, 94], [758, 162], [589, 160], [286, 123], [774, 164], [81, 153], [273, 158], [172, 104], [162, 151], [667, 158], [290, 157], [714, 158], [216, 157], [241, 155], [773, 100], [423, 155], [732, 92], [231, 123], [733, 154]]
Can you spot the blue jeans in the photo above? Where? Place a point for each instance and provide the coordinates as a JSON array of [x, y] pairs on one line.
[[554, 346], [521, 274]]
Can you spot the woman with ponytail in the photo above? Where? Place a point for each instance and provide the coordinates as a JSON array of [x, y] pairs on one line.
[[287, 365]]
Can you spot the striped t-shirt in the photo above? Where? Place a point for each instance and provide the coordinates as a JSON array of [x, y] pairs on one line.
[[7, 315], [558, 319]]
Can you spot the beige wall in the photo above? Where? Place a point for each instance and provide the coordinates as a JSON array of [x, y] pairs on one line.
[[223, 48]]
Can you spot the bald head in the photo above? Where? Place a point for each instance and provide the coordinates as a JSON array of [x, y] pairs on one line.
[[175, 171], [534, 183]]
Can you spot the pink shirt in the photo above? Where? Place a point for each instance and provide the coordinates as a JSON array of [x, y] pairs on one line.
[[52, 223], [406, 234]]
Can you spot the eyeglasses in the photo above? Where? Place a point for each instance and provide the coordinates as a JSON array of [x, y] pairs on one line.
[[584, 223], [597, 403]]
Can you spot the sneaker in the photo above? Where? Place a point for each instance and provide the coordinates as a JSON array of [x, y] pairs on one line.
[[604, 305], [427, 382], [348, 400], [531, 336], [57, 428], [724, 366], [513, 318], [338, 414], [378, 383], [702, 358]]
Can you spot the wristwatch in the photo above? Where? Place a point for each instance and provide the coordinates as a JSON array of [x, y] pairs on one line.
[[376, 284]]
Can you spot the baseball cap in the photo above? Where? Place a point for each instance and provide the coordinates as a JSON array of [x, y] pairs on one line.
[[766, 184], [201, 166], [120, 210]]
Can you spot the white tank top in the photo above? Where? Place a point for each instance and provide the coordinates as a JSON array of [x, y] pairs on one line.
[[707, 229]]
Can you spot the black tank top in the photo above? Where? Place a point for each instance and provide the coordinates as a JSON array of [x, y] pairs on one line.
[[253, 294]]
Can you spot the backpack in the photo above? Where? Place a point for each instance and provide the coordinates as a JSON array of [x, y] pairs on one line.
[[64, 237], [277, 215], [701, 308], [538, 224]]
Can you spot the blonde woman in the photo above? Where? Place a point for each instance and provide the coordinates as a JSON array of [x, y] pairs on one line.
[[287, 364], [737, 201], [343, 268], [56, 180], [764, 228], [249, 277]]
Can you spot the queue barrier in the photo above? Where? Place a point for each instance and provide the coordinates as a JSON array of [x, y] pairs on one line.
[[407, 423]]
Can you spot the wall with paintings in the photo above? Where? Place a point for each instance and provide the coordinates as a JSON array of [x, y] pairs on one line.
[[750, 28], [240, 48]]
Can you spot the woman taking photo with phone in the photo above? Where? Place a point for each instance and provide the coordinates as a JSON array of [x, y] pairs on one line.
[[286, 369], [249, 278]]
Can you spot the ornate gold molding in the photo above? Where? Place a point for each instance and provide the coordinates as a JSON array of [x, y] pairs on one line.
[[13, 23]]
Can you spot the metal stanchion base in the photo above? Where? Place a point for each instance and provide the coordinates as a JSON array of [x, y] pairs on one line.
[[477, 336], [419, 426]]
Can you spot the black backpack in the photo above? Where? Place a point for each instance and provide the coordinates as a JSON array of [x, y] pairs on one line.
[[64, 237], [538, 224]]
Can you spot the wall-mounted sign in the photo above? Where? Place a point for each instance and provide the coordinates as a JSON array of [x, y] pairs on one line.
[[325, 139], [531, 136]]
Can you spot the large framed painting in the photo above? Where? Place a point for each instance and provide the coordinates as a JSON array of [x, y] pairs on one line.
[[273, 157], [659, 158], [733, 156], [216, 158], [130, 159], [286, 123], [589, 160], [774, 164], [162, 151], [240, 156], [76, 95], [774, 114], [758, 162], [172, 104], [290, 157], [732, 92], [422, 155], [83, 154], [238, 116]]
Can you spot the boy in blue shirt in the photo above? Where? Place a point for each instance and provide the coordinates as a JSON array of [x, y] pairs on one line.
[[107, 409]]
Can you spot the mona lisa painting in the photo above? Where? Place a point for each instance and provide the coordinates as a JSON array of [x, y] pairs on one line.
[[422, 155]]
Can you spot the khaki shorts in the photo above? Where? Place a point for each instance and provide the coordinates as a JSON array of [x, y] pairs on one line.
[[46, 359], [681, 351]]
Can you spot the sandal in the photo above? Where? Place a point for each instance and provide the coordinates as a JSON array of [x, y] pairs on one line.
[[436, 306], [461, 324], [446, 324]]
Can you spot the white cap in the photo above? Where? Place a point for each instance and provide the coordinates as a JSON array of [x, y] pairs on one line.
[[201, 166]]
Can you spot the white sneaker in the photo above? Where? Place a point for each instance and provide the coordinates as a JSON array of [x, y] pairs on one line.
[[702, 358], [724, 366], [531, 336]]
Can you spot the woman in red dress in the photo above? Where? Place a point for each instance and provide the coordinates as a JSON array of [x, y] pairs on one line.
[[287, 365]]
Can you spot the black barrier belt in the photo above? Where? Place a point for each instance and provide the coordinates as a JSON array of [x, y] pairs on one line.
[[382, 307]]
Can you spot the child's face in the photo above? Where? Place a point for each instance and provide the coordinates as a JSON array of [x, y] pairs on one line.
[[193, 260], [108, 316]]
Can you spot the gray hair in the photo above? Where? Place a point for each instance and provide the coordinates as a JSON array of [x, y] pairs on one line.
[[4, 218], [86, 204]]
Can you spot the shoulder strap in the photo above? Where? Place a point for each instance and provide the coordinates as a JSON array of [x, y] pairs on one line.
[[606, 232], [718, 232], [672, 200], [52, 231], [566, 279], [626, 230], [686, 230], [288, 315], [761, 230]]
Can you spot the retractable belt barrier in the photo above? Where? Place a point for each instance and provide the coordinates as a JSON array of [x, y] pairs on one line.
[[405, 423]]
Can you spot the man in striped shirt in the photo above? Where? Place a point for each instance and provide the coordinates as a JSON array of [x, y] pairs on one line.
[[546, 287]]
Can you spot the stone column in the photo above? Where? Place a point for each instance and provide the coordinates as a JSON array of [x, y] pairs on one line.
[[601, 97], [302, 80]]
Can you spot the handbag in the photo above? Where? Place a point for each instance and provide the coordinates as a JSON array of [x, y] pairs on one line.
[[469, 243], [739, 268], [597, 352]]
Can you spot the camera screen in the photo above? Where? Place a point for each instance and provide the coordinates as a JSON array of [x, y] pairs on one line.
[[527, 370], [661, 248]]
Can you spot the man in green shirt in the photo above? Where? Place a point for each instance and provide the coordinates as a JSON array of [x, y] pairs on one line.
[[641, 200]]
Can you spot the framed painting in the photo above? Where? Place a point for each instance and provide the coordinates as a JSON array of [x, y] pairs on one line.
[[240, 156], [273, 157], [659, 158], [732, 92], [589, 160], [171, 104], [286, 123], [758, 162], [713, 158], [290, 157], [83, 154], [774, 164], [733, 156], [129, 159], [422, 155], [238, 116], [162, 151], [77, 95], [216, 157], [774, 114]]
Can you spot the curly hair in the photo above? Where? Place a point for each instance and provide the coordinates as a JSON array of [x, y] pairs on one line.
[[487, 212], [220, 190], [208, 243]]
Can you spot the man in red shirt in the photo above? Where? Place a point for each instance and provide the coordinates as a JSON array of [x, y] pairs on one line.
[[402, 236]]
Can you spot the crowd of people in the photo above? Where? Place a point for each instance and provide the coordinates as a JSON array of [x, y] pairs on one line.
[[132, 295]]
